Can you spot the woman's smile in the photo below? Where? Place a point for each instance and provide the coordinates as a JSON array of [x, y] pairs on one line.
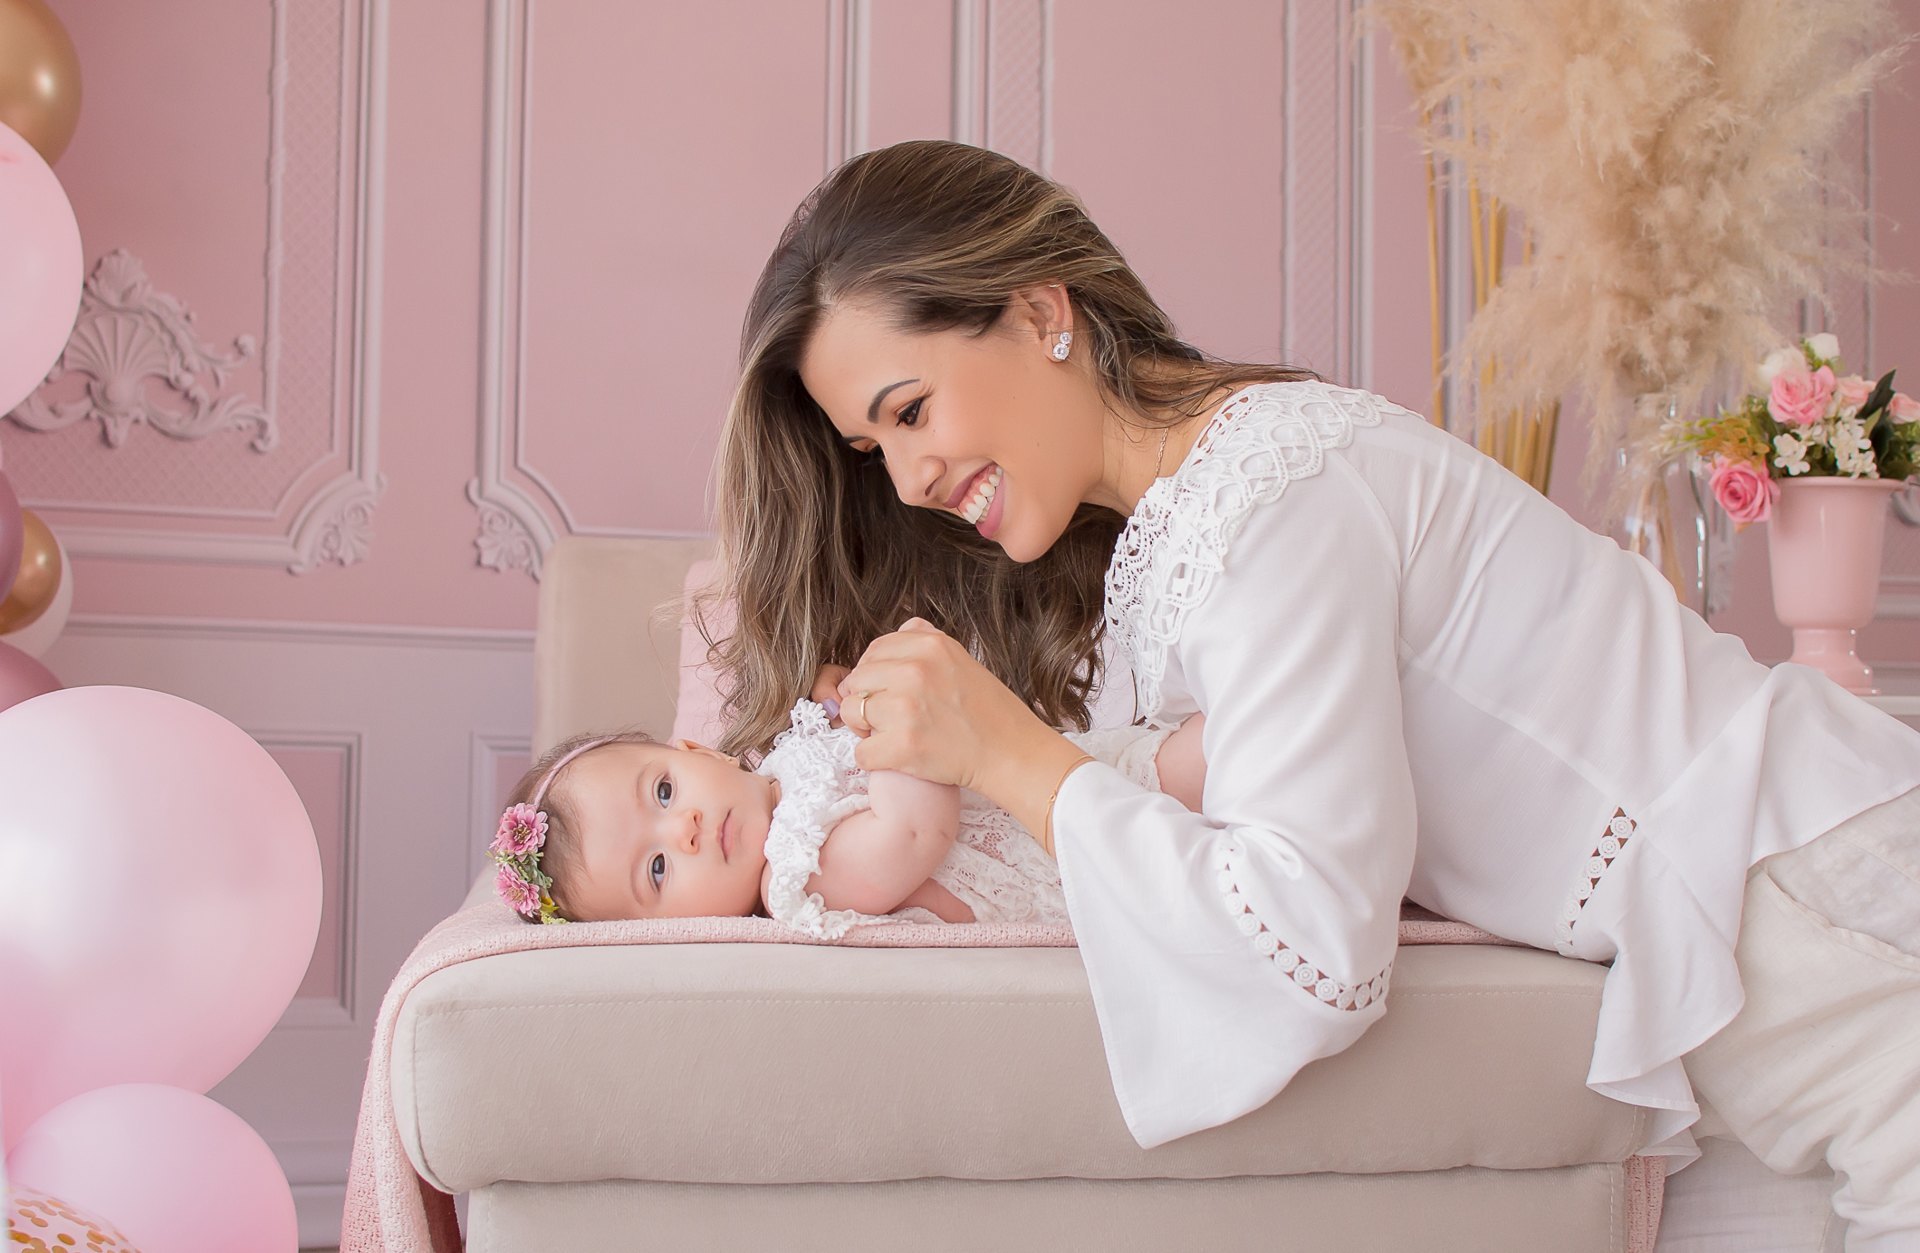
[[981, 492]]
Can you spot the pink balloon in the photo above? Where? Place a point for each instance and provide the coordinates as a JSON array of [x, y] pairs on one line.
[[174, 1171], [12, 535], [40, 269], [22, 677], [163, 895]]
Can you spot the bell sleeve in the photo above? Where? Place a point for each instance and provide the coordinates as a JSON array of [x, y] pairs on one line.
[[1225, 950]]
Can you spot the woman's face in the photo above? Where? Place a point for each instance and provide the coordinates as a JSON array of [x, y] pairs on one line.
[[666, 832], [989, 427]]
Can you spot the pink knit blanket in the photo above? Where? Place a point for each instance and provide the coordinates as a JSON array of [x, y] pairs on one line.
[[391, 1209]]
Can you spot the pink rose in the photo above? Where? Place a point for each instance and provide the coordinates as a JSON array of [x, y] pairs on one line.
[[1800, 397], [1744, 492], [521, 897], [1852, 391], [1904, 408], [523, 829]]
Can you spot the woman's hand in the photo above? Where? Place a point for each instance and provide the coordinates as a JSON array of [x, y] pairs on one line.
[[826, 691], [932, 711]]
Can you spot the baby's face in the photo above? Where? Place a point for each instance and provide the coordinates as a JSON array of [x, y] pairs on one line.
[[666, 831]]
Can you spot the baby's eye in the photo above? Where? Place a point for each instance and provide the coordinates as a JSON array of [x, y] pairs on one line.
[[657, 869], [910, 416], [663, 791]]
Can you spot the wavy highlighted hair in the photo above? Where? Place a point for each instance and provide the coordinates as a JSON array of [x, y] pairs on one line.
[[820, 554]]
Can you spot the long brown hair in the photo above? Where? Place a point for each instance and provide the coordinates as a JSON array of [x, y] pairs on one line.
[[820, 554]]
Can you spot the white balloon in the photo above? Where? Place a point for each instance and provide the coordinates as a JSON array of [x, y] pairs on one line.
[[35, 638]]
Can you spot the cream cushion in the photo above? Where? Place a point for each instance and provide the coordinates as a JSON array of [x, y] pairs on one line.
[[773, 1063]]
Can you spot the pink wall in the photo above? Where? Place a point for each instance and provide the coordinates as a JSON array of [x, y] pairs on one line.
[[495, 264]]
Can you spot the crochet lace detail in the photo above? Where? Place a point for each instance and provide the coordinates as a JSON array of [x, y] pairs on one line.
[[819, 785], [999, 870], [1306, 976], [1165, 561], [1619, 830], [995, 866]]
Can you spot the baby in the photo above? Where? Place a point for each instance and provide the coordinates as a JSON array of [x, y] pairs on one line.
[[621, 826]]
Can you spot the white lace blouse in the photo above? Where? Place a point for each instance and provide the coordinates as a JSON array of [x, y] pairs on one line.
[[1421, 677], [996, 868]]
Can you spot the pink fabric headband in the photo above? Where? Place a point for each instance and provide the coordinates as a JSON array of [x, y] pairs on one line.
[[518, 843]]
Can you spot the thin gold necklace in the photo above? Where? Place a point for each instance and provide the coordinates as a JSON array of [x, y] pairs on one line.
[[1162, 454]]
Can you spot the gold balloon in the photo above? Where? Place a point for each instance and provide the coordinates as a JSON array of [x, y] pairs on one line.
[[39, 578], [39, 77]]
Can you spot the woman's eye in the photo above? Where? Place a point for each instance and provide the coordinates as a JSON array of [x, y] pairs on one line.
[[910, 416], [663, 791], [657, 869]]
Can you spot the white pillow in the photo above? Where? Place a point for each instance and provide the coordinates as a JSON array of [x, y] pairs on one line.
[[696, 713]]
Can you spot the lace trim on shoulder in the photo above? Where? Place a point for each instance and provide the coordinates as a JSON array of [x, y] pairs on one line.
[[1165, 561], [819, 785], [1306, 976], [1620, 829]]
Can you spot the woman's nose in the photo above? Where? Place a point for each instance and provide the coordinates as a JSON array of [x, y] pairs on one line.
[[915, 481]]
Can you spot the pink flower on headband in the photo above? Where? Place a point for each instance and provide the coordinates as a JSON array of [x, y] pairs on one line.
[[521, 896], [523, 829]]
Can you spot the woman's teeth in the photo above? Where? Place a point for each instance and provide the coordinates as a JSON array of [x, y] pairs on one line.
[[974, 507]]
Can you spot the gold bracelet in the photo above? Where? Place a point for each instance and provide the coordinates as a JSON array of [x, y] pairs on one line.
[[1046, 839]]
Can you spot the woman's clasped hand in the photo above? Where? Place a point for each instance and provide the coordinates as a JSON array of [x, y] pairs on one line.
[[933, 711]]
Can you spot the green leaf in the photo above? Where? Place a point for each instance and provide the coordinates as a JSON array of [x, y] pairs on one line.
[[1879, 398]]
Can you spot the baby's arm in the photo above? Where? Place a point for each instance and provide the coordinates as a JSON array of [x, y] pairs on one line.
[[874, 860], [1182, 770]]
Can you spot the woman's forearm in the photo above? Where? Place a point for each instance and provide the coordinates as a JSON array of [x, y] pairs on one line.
[[1023, 776]]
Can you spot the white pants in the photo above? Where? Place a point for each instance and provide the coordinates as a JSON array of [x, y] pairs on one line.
[[1822, 1064]]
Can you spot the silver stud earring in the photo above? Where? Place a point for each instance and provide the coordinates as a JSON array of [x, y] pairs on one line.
[[1063, 345]]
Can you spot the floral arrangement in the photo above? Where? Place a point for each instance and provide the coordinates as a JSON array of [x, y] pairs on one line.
[[1809, 420], [1671, 161], [516, 848]]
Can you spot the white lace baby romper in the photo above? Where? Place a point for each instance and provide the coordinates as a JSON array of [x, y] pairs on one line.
[[995, 867]]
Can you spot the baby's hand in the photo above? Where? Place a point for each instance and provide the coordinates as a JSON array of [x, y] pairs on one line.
[[826, 690]]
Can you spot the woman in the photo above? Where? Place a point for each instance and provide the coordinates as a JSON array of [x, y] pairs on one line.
[[959, 404]]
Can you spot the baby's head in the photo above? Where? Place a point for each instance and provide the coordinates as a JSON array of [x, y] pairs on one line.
[[621, 826]]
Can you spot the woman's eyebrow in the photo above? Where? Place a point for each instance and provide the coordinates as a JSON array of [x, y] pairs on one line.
[[873, 410]]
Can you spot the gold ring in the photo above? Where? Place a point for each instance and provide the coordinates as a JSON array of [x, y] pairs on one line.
[[862, 712]]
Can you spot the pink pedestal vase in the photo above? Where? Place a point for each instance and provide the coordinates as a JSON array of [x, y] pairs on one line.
[[1823, 543]]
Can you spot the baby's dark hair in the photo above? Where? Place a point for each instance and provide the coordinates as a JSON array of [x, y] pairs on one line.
[[561, 854]]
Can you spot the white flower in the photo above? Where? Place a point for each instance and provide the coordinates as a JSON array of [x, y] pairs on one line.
[[1781, 359], [1852, 450], [1825, 346], [1791, 452]]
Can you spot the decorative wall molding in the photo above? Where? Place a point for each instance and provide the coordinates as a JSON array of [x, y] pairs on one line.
[[1003, 78], [849, 66], [519, 510], [339, 1011], [1326, 119], [970, 71], [1899, 596], [148, 627], [129, 336], [485, 749], [515, 529]]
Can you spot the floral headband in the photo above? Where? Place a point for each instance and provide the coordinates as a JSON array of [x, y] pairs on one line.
[[518, 844]]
